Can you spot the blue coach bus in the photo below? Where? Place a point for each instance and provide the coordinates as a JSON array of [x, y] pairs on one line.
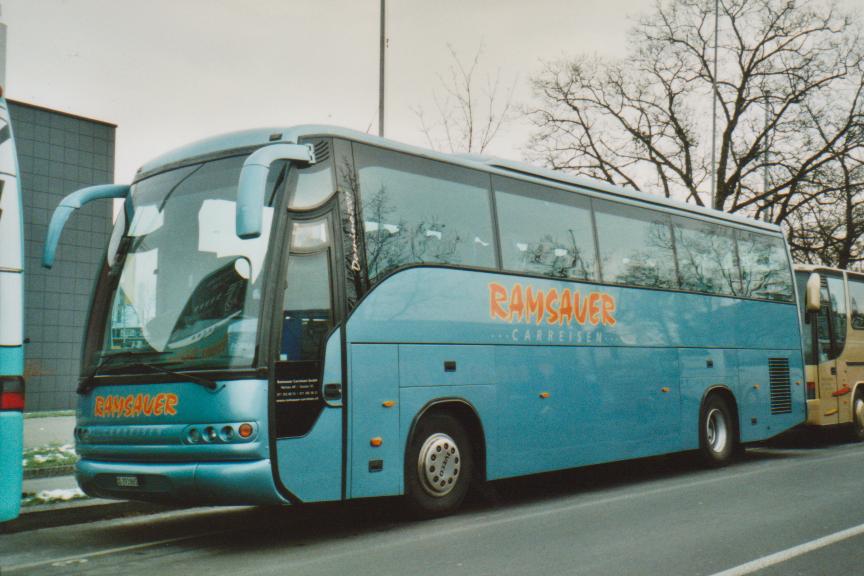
[[11, 323], [313, 314]]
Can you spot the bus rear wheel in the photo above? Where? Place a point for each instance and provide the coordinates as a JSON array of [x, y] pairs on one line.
[[717, 432], [857, 429], [438, 466]]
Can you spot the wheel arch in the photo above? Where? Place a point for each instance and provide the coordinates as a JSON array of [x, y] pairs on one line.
[[467, 415]]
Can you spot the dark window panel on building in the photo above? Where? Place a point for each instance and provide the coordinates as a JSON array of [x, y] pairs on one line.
[[59, 153]]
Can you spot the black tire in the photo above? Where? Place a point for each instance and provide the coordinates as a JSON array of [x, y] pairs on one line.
[[718, 434], [439, 444], [856, 429]]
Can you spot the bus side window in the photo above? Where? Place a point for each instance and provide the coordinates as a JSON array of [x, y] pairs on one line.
[[837, 291], [706, 257], [307, 314], [832, 318], [544, 230], [823, 323], [636, 246], [856, 301], [765, 270], [419, 210]]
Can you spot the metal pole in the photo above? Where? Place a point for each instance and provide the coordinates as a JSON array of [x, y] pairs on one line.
[[383, 47], [765, 154], [714, 108]]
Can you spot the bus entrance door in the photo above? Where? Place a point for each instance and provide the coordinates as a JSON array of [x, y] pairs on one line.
[[831, 324], [307, 416]]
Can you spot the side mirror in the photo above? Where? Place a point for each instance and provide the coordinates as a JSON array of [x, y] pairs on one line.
[[813, 292], [68, 205], [253, 183]]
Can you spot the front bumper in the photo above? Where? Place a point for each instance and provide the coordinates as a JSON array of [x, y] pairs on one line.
[[227, 483]]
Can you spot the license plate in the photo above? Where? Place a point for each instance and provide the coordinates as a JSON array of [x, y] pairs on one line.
[[127, 481]]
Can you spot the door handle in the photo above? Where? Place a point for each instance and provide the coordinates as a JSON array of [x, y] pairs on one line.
[[333, 391]]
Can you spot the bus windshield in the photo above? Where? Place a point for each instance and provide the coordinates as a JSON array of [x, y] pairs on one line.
[[185, 289]]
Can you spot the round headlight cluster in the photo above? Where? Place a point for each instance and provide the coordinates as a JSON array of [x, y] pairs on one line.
[[219, 433]]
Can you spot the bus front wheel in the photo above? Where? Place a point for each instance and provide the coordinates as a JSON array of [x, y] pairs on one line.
[[717, 436], [438, 466]]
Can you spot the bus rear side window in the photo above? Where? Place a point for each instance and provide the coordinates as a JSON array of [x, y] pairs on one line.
[[706, 257], [765, 271]]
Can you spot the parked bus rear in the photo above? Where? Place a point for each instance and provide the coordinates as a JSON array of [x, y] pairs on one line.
[[11, 323]]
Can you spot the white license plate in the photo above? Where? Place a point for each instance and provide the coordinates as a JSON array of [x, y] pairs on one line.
[[127, 481]]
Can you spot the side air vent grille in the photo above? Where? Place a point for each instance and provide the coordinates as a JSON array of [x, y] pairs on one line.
[[322, 150], [781, 390]]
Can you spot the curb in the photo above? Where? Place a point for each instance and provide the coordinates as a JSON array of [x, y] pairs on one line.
[[79, 512], [49, 472]]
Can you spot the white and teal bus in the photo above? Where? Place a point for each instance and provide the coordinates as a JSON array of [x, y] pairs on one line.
[[11, 323], [314, 314]]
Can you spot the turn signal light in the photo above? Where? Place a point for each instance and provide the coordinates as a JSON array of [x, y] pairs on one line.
[[811, 390], [245, 430], [376, 442]]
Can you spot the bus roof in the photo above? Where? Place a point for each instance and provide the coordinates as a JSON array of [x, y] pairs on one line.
[[255, 138]]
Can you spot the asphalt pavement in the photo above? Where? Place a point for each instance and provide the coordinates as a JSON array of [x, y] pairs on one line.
[[791, 508]]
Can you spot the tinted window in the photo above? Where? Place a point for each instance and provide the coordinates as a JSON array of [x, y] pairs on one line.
[[806, 319], [856, 303], [544, 231], [417, 210], [837, 295], [706, 257], [635, 246], [306, 310], [765, 271]]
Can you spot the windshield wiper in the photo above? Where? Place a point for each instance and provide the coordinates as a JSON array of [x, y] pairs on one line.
[[206, 382], [104, 359], [86, 384]]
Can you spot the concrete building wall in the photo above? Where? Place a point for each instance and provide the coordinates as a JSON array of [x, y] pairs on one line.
[[59, 153]]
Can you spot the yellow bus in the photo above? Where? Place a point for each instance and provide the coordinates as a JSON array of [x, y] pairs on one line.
[[832, 312]]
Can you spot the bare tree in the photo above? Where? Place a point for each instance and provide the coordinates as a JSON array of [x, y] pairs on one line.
[[467, 115], [830, 229], [790, 94]]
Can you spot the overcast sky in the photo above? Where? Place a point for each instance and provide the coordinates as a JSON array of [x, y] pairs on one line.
[[168, 72]]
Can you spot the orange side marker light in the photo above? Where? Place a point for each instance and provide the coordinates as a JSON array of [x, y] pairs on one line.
[[376, 442]]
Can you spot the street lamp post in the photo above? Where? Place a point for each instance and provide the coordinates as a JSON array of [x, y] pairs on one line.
[[383, 47], [714, 108]]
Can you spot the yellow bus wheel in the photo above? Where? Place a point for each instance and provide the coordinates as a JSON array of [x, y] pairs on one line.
[[858, 416]]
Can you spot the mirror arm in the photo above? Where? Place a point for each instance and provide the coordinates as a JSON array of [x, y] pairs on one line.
[[253, 183], [71, 203]]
